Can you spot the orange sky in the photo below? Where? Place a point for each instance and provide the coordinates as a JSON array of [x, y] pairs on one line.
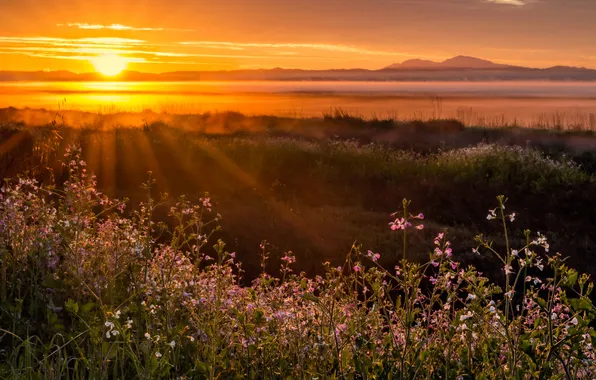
[[169, 35]]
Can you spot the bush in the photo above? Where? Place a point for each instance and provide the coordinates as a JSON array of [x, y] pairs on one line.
[[90, 293]]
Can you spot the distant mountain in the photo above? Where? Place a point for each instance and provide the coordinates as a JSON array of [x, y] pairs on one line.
[[460, 68], [415, 64], [459, 62]]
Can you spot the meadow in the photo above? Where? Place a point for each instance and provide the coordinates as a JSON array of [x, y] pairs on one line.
[[276, 254]]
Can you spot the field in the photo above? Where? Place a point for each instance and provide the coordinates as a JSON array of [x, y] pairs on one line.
[[96, 293]]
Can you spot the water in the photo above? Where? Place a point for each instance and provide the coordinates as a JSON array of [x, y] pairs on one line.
[[477, 102]]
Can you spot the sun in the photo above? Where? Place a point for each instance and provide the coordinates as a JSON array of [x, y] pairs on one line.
[[109, 65]]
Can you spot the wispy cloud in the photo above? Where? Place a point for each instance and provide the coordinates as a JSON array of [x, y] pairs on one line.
[[108, 41], [322, 47], [190, 52], [511, 2], [134, 50], [119, 27]]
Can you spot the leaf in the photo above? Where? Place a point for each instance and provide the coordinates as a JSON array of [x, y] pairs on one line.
[[202, 368], [71, 306], [572, 279], [86, 308]]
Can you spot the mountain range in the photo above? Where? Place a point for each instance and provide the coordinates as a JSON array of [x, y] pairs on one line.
[[459, 62], [460, 68]]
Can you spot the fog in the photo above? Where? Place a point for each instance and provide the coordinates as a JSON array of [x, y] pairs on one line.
[[474, 103]]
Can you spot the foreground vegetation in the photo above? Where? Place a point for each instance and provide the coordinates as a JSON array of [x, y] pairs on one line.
[[90, 293], [321, 185]]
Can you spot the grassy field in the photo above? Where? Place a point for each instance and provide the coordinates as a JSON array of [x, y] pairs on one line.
[[318, 188], [317, 185]]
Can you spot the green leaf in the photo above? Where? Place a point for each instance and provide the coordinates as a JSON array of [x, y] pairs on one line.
[[202, 368], [86, 308], [71, 306], [572, 279]]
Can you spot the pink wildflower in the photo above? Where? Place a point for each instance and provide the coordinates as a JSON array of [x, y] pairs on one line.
[[448, 252], [373, 256]]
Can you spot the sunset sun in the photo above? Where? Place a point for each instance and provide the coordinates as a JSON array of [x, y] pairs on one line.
[[109, 64]]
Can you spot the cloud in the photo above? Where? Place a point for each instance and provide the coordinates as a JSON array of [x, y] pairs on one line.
[[119, 27], [134, 50], [510, 2], [108, 41], [311, 46]]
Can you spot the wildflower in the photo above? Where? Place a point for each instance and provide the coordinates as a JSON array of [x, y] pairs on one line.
[[117, 315], [463, 317], [512, 217], [339, 269], [128, 324], [509, 294], [454, 265], [448, 252], [515, 252], [373, 256], [289, 258], [158, 354], [172, 344], [147, 335], [434, 263], [574, 321], [420, 227], [357, 268], [508, 269], [399, 224], [491, 214]]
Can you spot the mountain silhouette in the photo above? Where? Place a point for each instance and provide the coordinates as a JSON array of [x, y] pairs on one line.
[[459, 68], [459, 62]]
